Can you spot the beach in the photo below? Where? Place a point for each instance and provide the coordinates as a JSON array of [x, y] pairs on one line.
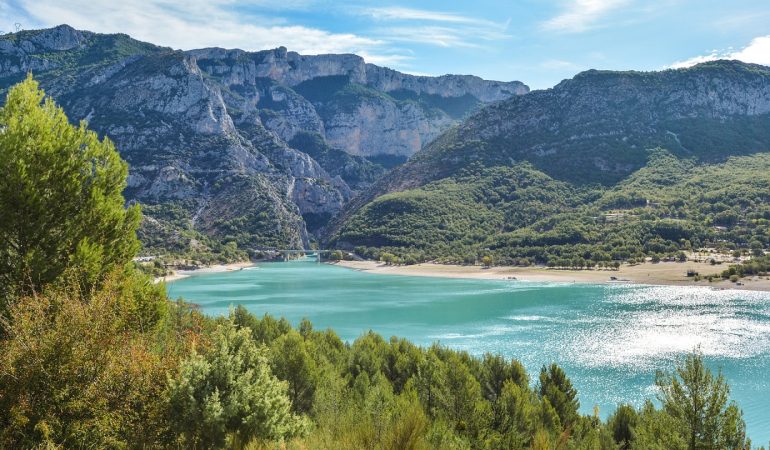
[[663, 273], [179, 274]]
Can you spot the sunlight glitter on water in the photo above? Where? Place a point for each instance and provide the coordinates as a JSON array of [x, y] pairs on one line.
[[673, 321]]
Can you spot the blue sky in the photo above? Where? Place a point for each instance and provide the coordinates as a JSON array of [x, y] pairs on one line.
[[539, 42]]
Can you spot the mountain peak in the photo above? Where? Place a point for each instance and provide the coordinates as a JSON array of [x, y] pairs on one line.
[[60, 38]]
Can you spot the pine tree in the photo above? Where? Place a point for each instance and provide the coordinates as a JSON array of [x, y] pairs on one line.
[[700, 401], [557, 389], [291, 360], [229, 392], [60, 196]]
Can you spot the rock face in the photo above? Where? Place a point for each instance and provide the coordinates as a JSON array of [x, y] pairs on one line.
[[388, 80], [361, 108], [219, 142]]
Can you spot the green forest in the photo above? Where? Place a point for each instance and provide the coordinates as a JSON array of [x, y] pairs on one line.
[[518, 215], [94, 355], [617, 168]]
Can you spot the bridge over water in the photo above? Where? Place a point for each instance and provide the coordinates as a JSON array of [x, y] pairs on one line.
[[309, 252]]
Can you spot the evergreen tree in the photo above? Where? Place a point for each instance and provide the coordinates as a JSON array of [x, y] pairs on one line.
[[463, 392], [60, 196], [622, 424], [430, 381], [557, 390], [229, 392], [693, 395], [517, 414], [291, 361]]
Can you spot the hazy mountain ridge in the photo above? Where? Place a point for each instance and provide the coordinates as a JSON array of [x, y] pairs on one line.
[[205, 131]]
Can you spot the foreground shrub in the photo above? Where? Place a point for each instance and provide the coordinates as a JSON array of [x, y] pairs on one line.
[[227, 393], [72, 375]]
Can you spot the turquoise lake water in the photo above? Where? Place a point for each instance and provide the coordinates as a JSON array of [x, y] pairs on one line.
[[610, 338]]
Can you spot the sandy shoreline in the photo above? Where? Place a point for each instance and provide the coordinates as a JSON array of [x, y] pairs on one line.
[[663, 273], [217, 268]]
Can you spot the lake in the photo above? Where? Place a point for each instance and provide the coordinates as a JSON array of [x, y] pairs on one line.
[[609, 338]]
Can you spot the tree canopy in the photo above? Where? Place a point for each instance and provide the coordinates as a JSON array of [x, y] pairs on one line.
[[60, 195]]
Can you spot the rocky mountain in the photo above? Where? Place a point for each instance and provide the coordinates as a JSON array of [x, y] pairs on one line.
[[360, 108], [598, 126], [515, 166], [256, 148]]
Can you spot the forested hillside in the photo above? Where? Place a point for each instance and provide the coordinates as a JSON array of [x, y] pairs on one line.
[[522, 216], [609, 166]]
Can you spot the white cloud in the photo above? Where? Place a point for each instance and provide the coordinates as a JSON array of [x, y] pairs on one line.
[[558, 64], [398, 13], [199, 23], [742, 21], [438, 28], [419, 74], [757, 52], [582, 15], [387, 60], [441, 36], [433, 35]]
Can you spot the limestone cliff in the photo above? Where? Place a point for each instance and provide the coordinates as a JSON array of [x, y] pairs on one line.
[[360, 108], [219, 142]]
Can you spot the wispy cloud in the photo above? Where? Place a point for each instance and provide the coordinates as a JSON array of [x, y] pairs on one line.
[[440, 36], [386, 59], [399, 13], [7, 18], [559, 64], [258, 25], [742, 20], [757, 52], [419, 74], [199, 23], [438, 28], [582, 15]]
